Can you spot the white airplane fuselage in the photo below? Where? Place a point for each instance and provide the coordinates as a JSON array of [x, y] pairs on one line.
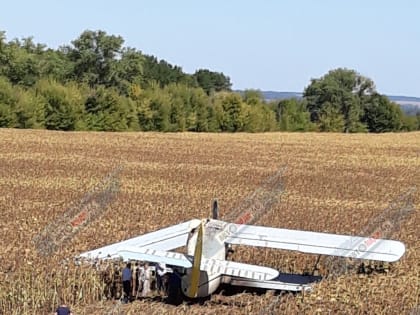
[[213, 247]]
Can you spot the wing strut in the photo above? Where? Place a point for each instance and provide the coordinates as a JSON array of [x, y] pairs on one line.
[[195, 273]]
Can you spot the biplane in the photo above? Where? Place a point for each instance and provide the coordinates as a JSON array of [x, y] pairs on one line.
[[208, 241]]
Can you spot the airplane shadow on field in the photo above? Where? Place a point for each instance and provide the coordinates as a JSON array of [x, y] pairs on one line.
[[298, 279], [228, 290]]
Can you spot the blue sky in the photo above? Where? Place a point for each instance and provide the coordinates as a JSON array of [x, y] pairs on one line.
[[268, 45]]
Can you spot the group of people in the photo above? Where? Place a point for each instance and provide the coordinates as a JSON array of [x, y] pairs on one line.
[[133, 281], [138, 281]]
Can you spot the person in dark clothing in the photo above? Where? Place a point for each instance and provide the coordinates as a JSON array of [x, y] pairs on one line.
[[174, 288], [126, 280], [63, 309], [136, 276], [160, 272]]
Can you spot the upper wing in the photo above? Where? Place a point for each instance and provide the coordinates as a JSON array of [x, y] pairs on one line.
[[164, 239], [315, 243]]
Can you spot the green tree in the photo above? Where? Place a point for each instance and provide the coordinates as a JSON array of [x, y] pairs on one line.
[[409, 123], [108, 111], [163, 73], [382, 115], [30, 110], [214, 117], [331, 119], [128, 70], [63, 105], [200, 103], [253, 97], [8, 102], [94, 56], [292, 115], [211, 81], [418, 121], [180, 107], [145, 114], [233, 112], [19, 65], [156, 105], [55, 65], [343, 89]]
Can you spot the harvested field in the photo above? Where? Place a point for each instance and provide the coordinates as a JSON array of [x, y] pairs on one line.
[[335, 183]]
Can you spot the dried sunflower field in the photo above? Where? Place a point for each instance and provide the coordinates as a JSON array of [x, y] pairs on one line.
[[336, 183]]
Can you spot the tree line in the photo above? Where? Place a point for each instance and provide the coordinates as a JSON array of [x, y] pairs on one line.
[[95, 83]]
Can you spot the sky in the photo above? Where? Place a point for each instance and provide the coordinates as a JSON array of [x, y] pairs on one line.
[[268, 44]]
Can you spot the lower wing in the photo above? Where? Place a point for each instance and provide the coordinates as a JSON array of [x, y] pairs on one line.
[[212, 266], [283, 282], [313, 242]]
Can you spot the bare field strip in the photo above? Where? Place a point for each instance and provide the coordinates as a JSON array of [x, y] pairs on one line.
[[334, 183]]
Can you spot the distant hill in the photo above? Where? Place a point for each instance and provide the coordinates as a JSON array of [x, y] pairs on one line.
[[404, 99], [273, 95], [409, 104]]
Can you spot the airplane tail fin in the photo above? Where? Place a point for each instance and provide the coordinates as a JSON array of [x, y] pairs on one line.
[[215, 209]]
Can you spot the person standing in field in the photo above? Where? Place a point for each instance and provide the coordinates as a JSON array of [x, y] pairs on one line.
[[146, 280], [116, 283], [126, 280], [63, 309], [160, 273], [174, 288], [136, 280]]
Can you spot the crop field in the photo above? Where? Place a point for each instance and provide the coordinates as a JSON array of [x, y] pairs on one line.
[[336, 183]]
